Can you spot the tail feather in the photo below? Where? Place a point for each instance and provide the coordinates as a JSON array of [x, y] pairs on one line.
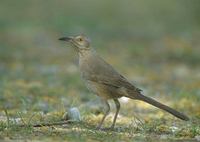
[[162, 106]]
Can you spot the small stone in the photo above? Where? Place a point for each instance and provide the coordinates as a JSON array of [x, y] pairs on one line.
[[197, 137], [72, 114], [164, 137], [174, 129]]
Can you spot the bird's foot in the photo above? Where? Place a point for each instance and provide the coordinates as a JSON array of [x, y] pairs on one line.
[[98, 127], [112, 127], [105, 129]]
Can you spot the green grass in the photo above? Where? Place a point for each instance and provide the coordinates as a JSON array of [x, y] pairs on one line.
[[154, 44], [152, 130]]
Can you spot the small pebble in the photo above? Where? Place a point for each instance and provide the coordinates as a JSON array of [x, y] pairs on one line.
[[174, 129], [72, 114], [197, 138], [164, 137]]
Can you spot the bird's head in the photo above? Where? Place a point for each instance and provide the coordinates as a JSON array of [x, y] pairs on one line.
[[80, 42]]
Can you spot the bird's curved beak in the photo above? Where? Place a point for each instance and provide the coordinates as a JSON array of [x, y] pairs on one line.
[[65, 38]]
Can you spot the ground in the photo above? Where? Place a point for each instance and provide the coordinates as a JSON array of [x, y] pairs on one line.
[[40, 78]]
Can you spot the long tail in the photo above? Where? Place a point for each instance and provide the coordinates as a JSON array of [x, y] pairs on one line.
[[162, 106]]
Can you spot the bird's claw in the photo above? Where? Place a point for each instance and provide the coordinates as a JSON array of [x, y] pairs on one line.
[[105, 129]]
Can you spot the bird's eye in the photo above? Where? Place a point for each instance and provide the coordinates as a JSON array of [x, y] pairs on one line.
[[80, 39]]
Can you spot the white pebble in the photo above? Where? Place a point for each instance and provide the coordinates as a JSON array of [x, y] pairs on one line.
[[197, 138], [72, 114]]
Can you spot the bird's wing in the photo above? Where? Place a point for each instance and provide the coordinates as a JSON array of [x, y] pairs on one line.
[[102, 72]]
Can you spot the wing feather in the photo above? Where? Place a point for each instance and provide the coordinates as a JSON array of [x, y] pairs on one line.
[[100, 71]]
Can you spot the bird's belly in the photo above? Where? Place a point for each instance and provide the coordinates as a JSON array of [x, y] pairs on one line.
[[103, 91]]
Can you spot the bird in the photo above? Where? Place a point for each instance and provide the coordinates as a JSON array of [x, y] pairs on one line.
[[103, 80]]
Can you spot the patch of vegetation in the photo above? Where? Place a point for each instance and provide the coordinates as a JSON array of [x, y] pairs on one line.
[[154, 44]]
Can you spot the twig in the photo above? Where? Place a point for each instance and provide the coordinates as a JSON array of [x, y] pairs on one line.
[[49, 124], [29, 120], [7, 116], [24, 123], [139, 120]]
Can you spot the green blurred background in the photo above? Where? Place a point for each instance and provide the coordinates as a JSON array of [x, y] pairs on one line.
[[154, 43]]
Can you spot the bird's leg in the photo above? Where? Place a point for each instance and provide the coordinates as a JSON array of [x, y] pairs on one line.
[[107, 110], [117, 104]]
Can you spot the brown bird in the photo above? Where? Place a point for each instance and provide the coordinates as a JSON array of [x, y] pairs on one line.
[[103, 80]]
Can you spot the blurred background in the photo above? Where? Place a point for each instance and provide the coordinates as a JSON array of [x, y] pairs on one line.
[[155, 44]]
